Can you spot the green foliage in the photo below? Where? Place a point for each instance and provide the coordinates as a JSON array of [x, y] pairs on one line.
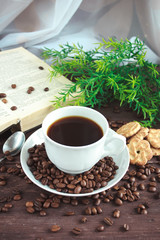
[[112, 70]]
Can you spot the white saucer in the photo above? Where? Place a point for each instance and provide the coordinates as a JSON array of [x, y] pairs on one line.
[[122, 161]]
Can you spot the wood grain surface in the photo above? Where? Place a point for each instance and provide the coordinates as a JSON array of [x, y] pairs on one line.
[[18, 224]]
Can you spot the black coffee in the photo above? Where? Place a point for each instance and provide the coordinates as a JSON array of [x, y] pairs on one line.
[[75, 131]]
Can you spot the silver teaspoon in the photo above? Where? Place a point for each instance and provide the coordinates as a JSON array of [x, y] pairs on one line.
[[14, 144]]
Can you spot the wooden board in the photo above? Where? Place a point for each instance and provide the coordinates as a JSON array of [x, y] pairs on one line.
[[18, 224]]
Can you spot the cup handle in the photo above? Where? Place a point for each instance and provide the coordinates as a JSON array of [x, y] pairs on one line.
[[114, 144]]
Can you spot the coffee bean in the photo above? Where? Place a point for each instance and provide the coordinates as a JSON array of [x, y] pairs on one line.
[[139, 174], [42, 213], [116, 213], [152, 189], [131, 198], [143, 177], [132, 173], [66, 200], [29, 204], [3, 182], [43, 195], [8, 205], [30, 210], [31, 88], [141, 206], [88, 211], [100, 228], [99, 209], [38, 176], [85, 201], [147, 171], [76, 230], [157, 170], [4, 100], [46, 204], [46, 89], [118, 201], [3, 169], [55, 228], [97, 202], [3, 95], [71, 186], [13, 85], [106, 200], [126, 177], [108, 221], [152, 184], [77, 190], [41, 68], [141, 186], [132, 179], [55, 205], [17, 197], [83, 220], [144, 211], [4, 209], [60, 185], [126, 227], [13, 108], [74, 202], [152, 179], [69, 213], [94, 210]]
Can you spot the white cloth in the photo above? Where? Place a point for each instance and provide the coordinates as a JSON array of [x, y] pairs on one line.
[[35, 24]]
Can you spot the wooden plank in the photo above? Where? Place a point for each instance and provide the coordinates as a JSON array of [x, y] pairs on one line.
[[18, 224]]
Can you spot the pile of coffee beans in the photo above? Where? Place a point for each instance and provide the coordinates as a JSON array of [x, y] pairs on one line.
[[48, 174]]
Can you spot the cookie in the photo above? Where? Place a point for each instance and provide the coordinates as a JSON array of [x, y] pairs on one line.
[[155, 151], [154, 137], [129, 129], [141, 134], [140, 151]]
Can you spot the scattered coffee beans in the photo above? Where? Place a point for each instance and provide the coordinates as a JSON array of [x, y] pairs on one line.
[[30, 90], [141, 209]]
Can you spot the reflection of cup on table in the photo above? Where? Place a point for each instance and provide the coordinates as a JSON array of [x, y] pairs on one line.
[[76, 138]]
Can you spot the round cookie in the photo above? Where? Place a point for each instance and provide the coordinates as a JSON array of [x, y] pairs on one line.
[[154, 137], [129, 129], [140, 151]]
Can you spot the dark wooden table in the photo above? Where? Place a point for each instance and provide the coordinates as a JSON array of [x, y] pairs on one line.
[[16, 223]]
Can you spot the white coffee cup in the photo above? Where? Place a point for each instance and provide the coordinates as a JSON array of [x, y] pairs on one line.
[[78, 159]]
